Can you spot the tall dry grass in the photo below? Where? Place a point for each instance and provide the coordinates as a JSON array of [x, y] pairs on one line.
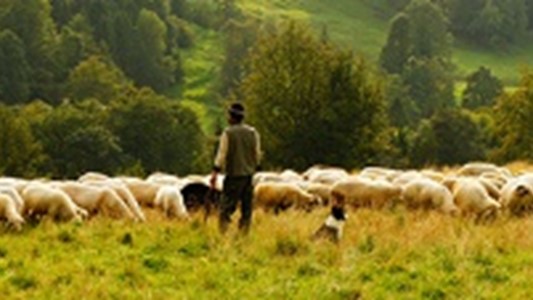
[[391, 254]]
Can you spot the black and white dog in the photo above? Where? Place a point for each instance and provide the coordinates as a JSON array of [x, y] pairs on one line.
[[332, 228]]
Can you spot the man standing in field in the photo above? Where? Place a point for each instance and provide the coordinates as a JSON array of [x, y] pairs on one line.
[[239, 154]]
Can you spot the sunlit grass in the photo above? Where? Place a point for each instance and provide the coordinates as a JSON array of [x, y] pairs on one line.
[[363, 25], [384, 254]]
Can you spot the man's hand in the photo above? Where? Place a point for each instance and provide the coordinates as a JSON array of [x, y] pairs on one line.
[[213, 180]]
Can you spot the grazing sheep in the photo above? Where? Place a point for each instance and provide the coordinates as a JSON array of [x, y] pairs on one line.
[[93, 176], [472, 198], [376, 173], [322, 191], [8, 211], [427, 194], [96, 199], [278, 196], [12, 193], [170, 200], [264, 176], [143, 191], [362, 192], [325, 175], [478, 168], [125, 195], [517, 195], [163, 179], [44, 200], [406, 177]]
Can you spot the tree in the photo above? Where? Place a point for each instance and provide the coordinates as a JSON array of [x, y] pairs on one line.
[[16, 73], [171, 139], [482, 89], [31, 21], [429, 30], [20, 153], [312, 102], [152, 70], [398, 48], [430, 85], [240, 37], [94, 78], [76, 141], [450, 137], [513, 113]]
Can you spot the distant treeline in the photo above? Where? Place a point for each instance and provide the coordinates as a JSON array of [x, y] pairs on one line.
[[82, 82], [485, 22]]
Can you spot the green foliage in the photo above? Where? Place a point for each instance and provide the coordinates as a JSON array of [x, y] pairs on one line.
[[162, 135], [20, 153], [398, 48], [76, 141], [429, 33], [418, 50], [513, 113], [15, 77], [489, 22], [482, 89], [94, 78], [31, 21], [403, 111], [240, 36], [329, 111], [450, 137], [430, 84]]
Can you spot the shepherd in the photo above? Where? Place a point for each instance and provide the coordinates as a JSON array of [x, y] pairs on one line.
[[239, 155]]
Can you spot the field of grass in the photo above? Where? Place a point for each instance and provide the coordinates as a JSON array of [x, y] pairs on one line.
[[363, 25], [201, 65], [384, 255]]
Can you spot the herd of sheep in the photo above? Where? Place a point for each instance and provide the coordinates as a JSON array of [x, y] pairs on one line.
[[480, 190]]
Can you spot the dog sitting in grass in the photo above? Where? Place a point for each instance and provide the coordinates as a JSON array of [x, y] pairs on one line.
[[332, 228]]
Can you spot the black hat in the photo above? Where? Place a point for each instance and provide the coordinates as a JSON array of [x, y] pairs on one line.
[[236, 109]]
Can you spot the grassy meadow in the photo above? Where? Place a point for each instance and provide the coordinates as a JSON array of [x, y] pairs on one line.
[[363, 25], [384, 255]]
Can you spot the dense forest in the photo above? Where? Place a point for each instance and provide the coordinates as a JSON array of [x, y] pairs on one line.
[[91, 85]]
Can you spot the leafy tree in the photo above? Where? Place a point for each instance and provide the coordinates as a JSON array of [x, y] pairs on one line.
[[76, 141], [31, 21], [450, 137], [20, 153], [461, 13], [429, 30], [398, 48], [151, 68], [240, 36], [313, 102], [403, 111], [94, 78], [161, 134], [482, 89], [16, 72], [430, 85], [513, 113], [418, 49]]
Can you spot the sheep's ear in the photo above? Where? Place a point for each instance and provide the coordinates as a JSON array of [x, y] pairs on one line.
[[521, 191]]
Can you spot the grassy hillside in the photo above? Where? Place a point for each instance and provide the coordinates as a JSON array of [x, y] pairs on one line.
[[384, 255], [364, 24], [358, 24]]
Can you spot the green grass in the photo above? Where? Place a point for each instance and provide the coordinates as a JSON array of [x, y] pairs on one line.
[[384, 255], [201, 65], [363, 26]]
